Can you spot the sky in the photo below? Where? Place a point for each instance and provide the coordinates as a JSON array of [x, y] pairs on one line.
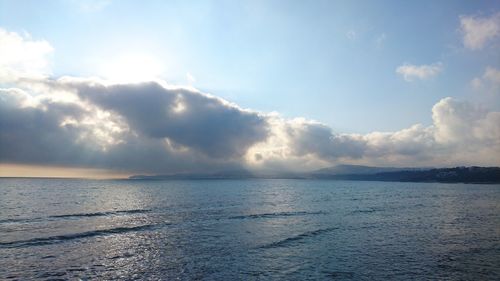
[[124, 87]]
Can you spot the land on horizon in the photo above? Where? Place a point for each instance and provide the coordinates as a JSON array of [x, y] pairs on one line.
[[472, 174]]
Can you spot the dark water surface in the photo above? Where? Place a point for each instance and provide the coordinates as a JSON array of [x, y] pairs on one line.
[[248, 230]]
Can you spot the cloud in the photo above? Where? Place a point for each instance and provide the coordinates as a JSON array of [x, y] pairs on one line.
[[461, 133], [489, 81], [467, 132], [411, 72], [22, 56], [464, 123], [32, 134], [478, 31], [298, 144], [82, 133], [154, 127], [205, 123]]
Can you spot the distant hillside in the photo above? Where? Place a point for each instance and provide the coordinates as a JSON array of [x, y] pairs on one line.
[[357, 170], [360, 173], [234, 174], [458, 174]]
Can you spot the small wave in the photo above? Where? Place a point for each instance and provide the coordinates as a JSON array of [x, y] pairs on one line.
[[365, 211], [62, 238], [79, 215], [285, 242], [341, 275], [99, 214], [274, 215]]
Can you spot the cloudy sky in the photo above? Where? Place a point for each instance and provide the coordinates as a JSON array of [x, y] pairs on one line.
[[113, 88]]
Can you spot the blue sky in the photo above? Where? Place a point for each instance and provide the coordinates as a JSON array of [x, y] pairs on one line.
[[124, 87], [331, 61]]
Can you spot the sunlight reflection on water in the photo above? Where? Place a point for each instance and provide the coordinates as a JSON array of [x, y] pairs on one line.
[[247, 229]]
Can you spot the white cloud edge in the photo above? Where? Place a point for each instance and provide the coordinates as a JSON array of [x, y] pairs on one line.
[[411, 72]]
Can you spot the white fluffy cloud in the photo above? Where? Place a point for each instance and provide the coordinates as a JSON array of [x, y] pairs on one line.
[[22, 56], [411, 72], [478, 31], [462, 133], [489, 81]]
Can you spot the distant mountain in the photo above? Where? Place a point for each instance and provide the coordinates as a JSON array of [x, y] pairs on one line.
[[457, 174], [360, 173], [451, 175], [234, 174], [358, 170]]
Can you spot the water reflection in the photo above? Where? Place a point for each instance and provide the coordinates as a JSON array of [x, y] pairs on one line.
[[274, 229]]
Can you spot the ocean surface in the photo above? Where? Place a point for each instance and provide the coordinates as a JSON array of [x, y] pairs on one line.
[[53, 229]]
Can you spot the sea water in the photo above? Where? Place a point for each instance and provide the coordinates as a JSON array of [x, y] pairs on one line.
[[54, 229]]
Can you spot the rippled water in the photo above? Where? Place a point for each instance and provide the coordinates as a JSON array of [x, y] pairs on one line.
[[248, 230]]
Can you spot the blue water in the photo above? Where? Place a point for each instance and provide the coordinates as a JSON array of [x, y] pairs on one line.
[[248, 230]]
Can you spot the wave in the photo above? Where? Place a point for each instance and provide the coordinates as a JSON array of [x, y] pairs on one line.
[[62, 238], [285, 242], [98, 214], [273, 215], [341, 275], [79, 215], [365, 211]]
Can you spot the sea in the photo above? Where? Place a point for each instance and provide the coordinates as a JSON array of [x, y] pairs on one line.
[[258, 229]]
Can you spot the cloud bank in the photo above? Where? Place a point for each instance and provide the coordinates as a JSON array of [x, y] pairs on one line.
[[411, 72], [154, 127]]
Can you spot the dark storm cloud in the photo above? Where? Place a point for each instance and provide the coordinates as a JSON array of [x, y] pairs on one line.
[[33, 135], [186, 117], [321, 141], [159, 130]]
